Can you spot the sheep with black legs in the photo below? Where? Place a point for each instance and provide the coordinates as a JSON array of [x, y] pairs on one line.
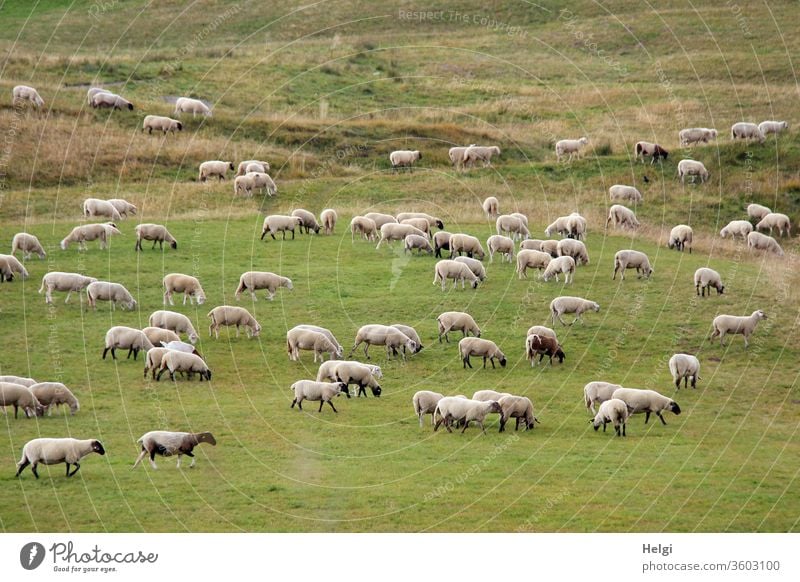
[[597, 393], [519, 408], [463, 411], [121, 337], [483, 348], [174, 321], [647, 401], [53, 394], [705, 279], [69, 282], [166, 443], [253, 281], [20, 396], [614, 411], [157, 233], [175, 361], [47, 451], [684, 367], [566, 304], [316, 391]]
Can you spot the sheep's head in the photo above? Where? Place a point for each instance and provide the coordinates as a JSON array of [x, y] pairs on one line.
[[201, 297], [97, 447], [475, 284], [131, 305], [595, 306], [560, 355], [439, 224], [206, 437], [502, 360], [257, 330], [174, 244], [130, 106], [180, 126], [376, 391], [596, 422], [673, 407], [193, 337], [720, 289], [289, 285], [759, 315], [494, 406], [584, 140], [343, 389]]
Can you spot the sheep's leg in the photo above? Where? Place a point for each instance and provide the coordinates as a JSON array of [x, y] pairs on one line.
[[664, 422], [24, 463], [334, 408], [191, 465], [466, 361], [647, 417], [77, 467], [34, 471], [130, 351]]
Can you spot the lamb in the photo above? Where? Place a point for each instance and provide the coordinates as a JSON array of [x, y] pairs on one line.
[[563, 265], [327, 333], [425, 402], [89, 232], [253, 165], [173, 321], [696, 135], [106, 291], [483, 154], [157, 233], [757, 211], [441, 241], [447, 269], [279, 223], [462, 410], [680, 236], [768, 127], [457, 320], [456, 155], [762, 242], [111, 100], [307, 220], [24, 94], [655, 151], [421, 243], [491, 207], [9, 265], [176, 361], [160, 123], [152, 361], [156, 335], [27, 382], [123, 337], [383, 335], [412, 334], [20, 396], [94, 91], [380, 219], [736, 228], [474, 265], [58, 281], [55, 451], [464, 243], [404, 159], [363, 226], [328, 218], [391, 231], [214, 168], [576, 249], [359, 374], [569, 146], [566, 304], [124, 207], [262, 181], [316, 391], [244, 185], [614, 411], [231, 315], [538, 345], [474, 346], [166, 444], [620, 192], [692, 168], [519, 408], [683, 367], [747, 131], [630, 259], [621, 216], [530, 259], [305, 339], [647, 401], [28, 244], [186, 284], [744, 325], [253, 281], [52, 394], [193, 106], [775, 220], [705, 278], [512, 225], [597, 393]]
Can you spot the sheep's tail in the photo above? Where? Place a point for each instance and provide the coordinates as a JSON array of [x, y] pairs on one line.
[[241, 288], [436, 412], [587, 401], [41, 289]]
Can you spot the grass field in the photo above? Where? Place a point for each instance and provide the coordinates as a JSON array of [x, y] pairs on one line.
[[324, 93]]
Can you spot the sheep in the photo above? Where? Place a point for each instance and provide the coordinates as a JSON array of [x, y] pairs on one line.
[[776, 220], [574, 248], [757, 211], [174, 321], [647, 401], [683, 367], [307, 220], [327, 333], [256, 165], [214, 168], [576, 226], [566, 304], [160, 123], [193, 106], [705, 278], [768, 127], [24, 94], [58, 281], [538, 345], [279, 223], [167, 443], [383, 335], [327, 370], [52, 394], [559, 225], [380, 219], [156, 335], [531, 244], [124, 207], [54, 451], [404, 159], [363, 226], [655, 151], [419, 223], [531, 259], [391, 231], [474, 346], [541, 331], [520, 216], [569, 146], [680, 236], [614, 411], [695, 135], [359, 374], [512, 225], [692, 168], [447, 269], [425, 402], [487, 395], [441, 241], [9, 265], [744, 325], [328, 218], [491, 207], [27, 382], [28, 244], [316, 391], [157, 233], [412, 334], [260, 180], [106, 291], [186, 284], [20, 396], [736, 228], [456, 155], [597, 393], [476, 153], [457, 320], [564, 265], [421, 243], [94, 91], [621, 192], [176, 361], [746, 131], [244, 185], [253, 281], [474, 265], [500, 244], [111, 100], [630, 259], [305, 339], [231, 315], [763, 242], [89, 232], [519, 408], [622, 216], [180, 346], [464, 243], [123, 337], [461, 410]]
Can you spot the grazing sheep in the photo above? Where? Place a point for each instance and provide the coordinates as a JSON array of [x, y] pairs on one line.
[[475, 346], [380, 219], [576, 226], [123, 337], [441, 242], [574, 248], [412, 334], [474, 265], [457, 320], [231, 315], [531, 259], [173, 321], [419, 223], [193, 106], [244, 185], [520, 216], [327, 333], [614, 411], [539, 345], [24, 94], [680, 236], [425, 402], [328, 218], [541, 331], [58, 281], [456, 155], [327, 370], [166, 444], [124, 207], [621, 216], [566, 304], [28, 244], [160, 123], [156, 335], [696, 135], [176, 361], [757, 211], [55, 451], [20, 396], [647, 401], [736, 228], [597, 393], [776, 220], [683, 367], [500, 244], [186, 284], [392, 231], [630, 259], [9, 265], [96, 207], [89, 232], [299, 338], [383, 335], [52, 394], [705, 278], [483, 154], [692, 168], [655, 151], [560, 225], [113, 292], [620, 192], [94, 91], [252, 166], [279, 223], [733, 324], [27, 382], [768, 127], [363, 226], [569, 146], [464, 411], [359, 374], [746, 131], [404, 159], [513, 225], [316, 391], [519, 408], [464, 243], [157, 233], [307, 220], [447, 269], [253, 281], [491, 207], [214, 168], [259, 180], [763, 242], [421, 243], [563, 265], [111, 100]]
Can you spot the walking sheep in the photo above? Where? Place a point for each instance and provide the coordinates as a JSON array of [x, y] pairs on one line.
[[316, 391], [253, 281], [425, 402], [705, 279], [536, 345], [58, 281], [89, 232], [53, 394], [123, 337], [519, 408], [684, 367], [229, 315], [768, 127], [457, 320], [655, 151], [566, 304], [597, 393], [746, 131], [775, 220], [630, 259], [193, 106], [54, 451], [279, 223], [28, 244], [383, 335], [160, 123], [304, 339], [474, 346], [186, 284], [404, 159], [647, 401], [214, 168], [165, 444], [463, 411], [744, 325], [20, 396], [480, 154], [692, 168], [569, 146], [695, 135], [174, 321], [456, 155]]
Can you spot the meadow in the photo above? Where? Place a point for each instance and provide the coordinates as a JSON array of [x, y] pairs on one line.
[[324, 93]]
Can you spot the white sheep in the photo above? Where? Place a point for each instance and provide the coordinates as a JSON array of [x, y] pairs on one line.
[[747, 131], [359, 374], [456, 155], [736, 228], [465, 243], [597, 393], [94, 91], [475, 346], [24, 94], [307, 220], [483, 154], [193, 106], [630, 259], [463, 411], [327, 370], [9, 266], [113, 292], [621, 216], [757, 241], [216, 168], [563, 265], [695, 135], [560, 225], [621, 192], [229, 315], [19, 396], [152, 361], [157, 335], [69, 282], [415, 241], [176, 361], [776, 220], [24, 381], [513, 225], [487, 395], [123, 337], [305, 339], [570, 247], [491, 207], [327, 333], [174, 321], [157, 233], [244, 185], [255, 165], [380, 219], [500, 244], [28, 244], [54, 451], [647, 401], [316, 391], [757, 211], [768, 127], [111, 100], [569, 146], [279, 223], [531, 259], [680, 236], [383, 335], [418, 222], [705, 278], [447, 269], [404, 159], [541, 330], [160, 123], [180, 346], [474, 265], [566, 304], [167, 443], [733, 324], [392, 231], [89, 232], [263, 182], [519, 408], [692, 168], [53, 394], [253, 281], [124, 207], [576, 226], [441, 241], [684, 367], [328, 218], [412, 334], [186, 284], [614, 411], [425, 402], [457, 320], [363, 226]]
